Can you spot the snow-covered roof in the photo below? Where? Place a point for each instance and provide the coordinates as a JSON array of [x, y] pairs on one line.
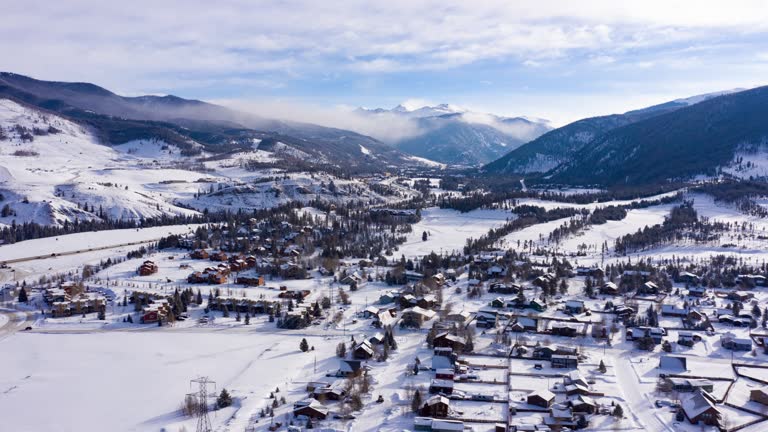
[[698, 403]]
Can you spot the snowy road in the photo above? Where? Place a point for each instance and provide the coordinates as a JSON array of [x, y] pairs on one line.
[[635, 396]]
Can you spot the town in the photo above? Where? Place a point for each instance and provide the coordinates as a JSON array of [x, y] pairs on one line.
[[372, 329]]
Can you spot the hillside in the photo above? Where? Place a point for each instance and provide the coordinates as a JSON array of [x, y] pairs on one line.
[[193, 125], [561, 145], [55, 170], [697, 140]]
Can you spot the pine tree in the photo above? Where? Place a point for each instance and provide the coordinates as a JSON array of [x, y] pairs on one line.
[[304, 346], [23, 295], [602, 367], [247, 318], [416, 401], [224, 400], [618, 412]]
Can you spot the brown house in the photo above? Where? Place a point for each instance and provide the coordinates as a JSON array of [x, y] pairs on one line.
[[541, 398], [436, 406], [199, 254], [759, 395], [313, 410], [700, 408], [218, 256], [147, 268], [447, 340]]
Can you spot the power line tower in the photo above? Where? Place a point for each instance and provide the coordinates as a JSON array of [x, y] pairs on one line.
[[201, 407]]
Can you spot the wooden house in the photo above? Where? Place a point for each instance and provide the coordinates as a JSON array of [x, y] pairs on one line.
[[700, 408], [541, 398], [147, 268], [436, 406]]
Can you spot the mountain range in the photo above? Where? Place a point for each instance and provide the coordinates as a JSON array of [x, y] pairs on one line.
[[194, 125], [456, 136], [676, 140]]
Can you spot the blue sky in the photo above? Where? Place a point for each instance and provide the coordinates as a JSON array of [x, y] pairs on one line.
[[307, 60]]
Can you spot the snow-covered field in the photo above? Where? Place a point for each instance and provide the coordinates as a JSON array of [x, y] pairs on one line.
[[449, 230], [137, 381]]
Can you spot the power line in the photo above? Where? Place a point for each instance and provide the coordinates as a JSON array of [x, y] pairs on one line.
[[201, 407]]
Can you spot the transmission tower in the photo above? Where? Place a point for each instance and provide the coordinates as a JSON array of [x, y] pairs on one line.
[[201, 407]]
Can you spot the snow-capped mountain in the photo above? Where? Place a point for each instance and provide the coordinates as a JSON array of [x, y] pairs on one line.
[[194, 125], [561, 145], [454, 135], [56, 170]]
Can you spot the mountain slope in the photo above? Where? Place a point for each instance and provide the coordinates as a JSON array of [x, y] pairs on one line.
[[687, 142], [452, 135], [193, 125], [562, 144]]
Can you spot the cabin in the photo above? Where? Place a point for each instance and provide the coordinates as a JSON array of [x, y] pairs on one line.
[[349, 368], [687, 338], [147, 268], [412, 276], [683, 385], [437, 425], [688, 278], [594, 272], [363, 351], [673, 310], [544, 280], [609, 288], [558, 361], [566, 329], [728, 341], [700, 408], [199, 254], [436, 406], [543, 352], [574, 307], [582, 404], [507, 289], [218, 256], [648, 288], [541, 398], [250, 281], [441, 386], [697, 291], [314, 410], [759, 395], [416, 316], [673, 363], [740, 296], [443, 340], [526, 324]]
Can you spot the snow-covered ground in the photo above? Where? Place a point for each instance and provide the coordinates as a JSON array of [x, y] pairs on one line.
[[448, 230]]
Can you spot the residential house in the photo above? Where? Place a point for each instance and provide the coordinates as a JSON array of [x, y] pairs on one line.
[[416, 316], [582, 404], [363, 351], [147, 268], [541, 398], [609, 288], [729, 341], [457, 343], [700, 408], [564, 361], [673, 363], [574, 307], [314, 410], [441, 386], [759, 395], [685, 385], [436, 406]]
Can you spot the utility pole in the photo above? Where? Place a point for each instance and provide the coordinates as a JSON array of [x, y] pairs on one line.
[[201, 408]]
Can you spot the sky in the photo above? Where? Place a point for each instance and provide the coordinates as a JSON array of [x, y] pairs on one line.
[[558, 60]]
